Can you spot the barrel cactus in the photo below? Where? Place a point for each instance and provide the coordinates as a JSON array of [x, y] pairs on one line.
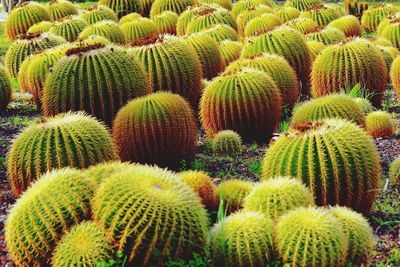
[[129, 18], [262, 24], [101, 172], [327, 107], [166, 22], [43, 213], [225, 105], [332, 72], [278, 69], [59, 9], [97, 13], [381, 41], [243, 5], [227, 142], [322, 15], [233, 192], [394, 172], [395, 76], [5, 89], [163, 135], [150, 214], [319, 154], [202, 184], [138, 29], [85, 244], [242, 239], [108, 29], [26, 45], [349, 25], [145, 7], [246, 15], [41, 27], [355, 8], [327, 36], [302, 4], [208, 17], [22, 17], [185, 17], [389, 53], [90, 40], [221, 32], [322, 240], [122, 7], [303, 25], [287, 13], [358, 233], [177, 6], [380, 124], [69, 28], [286, 42], [70, 139], [372, 17], [227, 4], [181, 69], [391, 32], [230, 51], [315, 48]]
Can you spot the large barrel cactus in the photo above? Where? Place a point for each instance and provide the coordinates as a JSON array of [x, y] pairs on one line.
[[107, 79], [287, 13], [101, 172], [181, 69], [221, 32], [303, 25], [129, 18], [247, 102], [166, 22], [322, 15], [71, 139], [5, 89], [391, 32], [138, 29], [69, 28], [41, 27], [59, 9], [262, 24], [242, 239], [395, 76], [97, 13], [164, 134], [327, 36], [349, 25], [315, 48], [333, 72], [302, 4], [230, 51], [177, 6], [122, 7], [335, 158], [106, 28], [246, 15], [22, 17], [150, 215], [44, 212]]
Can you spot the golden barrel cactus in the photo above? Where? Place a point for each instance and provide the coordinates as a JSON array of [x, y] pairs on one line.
[[303, 25], [262, 24], [372, 17], [321, 14], [166, 22], [138, 29], [59, 9], [233, 193], [106, 28], [221, 32], [315, 48], [395, 76], [5, 89], [302, 4], [394, 172], [327, 36], [380, 124], [230, 51], [243, 5], [177, 6], [97, 13], [246, 15], [287, 13], [227, 142], [129, 18], [122, 7], [349, 25], [69, 28], [41, 27]]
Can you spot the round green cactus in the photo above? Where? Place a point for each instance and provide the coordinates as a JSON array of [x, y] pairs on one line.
[[327, 36], [372, 17], [86, 86], [246, 15], [163, 135], [85, 244], [364, 104], [247, 102], [202, 184], [394, 172], [303, 25], [70, 139], [69, 28], [315, 48], [181, 68], [335, 158], [209, 54], [321, 14], [41, 27], [358, 233], [90, 40], [5, 89], [278, 69], [277, 196], [349, 25], [227, 142], [381, 41], [332, 72], [97, 13], [243, 5], [230, 51], [262, 24], [328, 107], [287, 13], [166, 22], [302, 5], [22, 17], [43, 213], [177, 6], [209, 16], [395, 76], [122, 7], [185, 18], [380, 124], [286, 42], [221, 32], [242, 239], [310, 237], [108, 29], [59, 9], [129, 18], [233, 192], [26, 45], [227, 4], [101, 172], [389, 53], [139, 29], [391, 32], [150, 214]]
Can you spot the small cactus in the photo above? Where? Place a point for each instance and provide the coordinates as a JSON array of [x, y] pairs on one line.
[[302, 5], [5, 89], [84, 245], [166, 22], [232, 193], [394, 172], [315, 48], [59, 9], [108, 29], [349, 25], [69, 28], [327, 36], [262, 24], [321, 14], [97, 13], [230, 51], [227, 142], [380, 124], [287, 13], [177, 6], [139, 29], [122, 7], [41, 27]]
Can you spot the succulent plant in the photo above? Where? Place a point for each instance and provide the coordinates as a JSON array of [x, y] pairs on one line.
[[225, 105], [209, 54], [327, 36], [372, 17], [90, 40], [108, 29], [302, 5], [97, 13], [108, 78], [332, 72], [177, 6], [5, 89], [233, 192], [40, 27], [286, 42], [364, 104], [303, 25], [389, 53], [358, 233], [129, 18], [246, 15], [185, 17], [85, 244], [355, 8], [227, 4], [122, 7], [322, 15], [209, 16], [139, 29], [59, 9], [381, 41], [394, 172], [395, 76], [227, 142], [221, 32], [26, 45], [70, 139], [243, 5], [315, 48], [278, 69], [202, 184], [275, 197], [101, 172], [337, 7], [386, 22], [145, 7], [262, 24], [390, 32], [349, 25], [163, 135], [22, 17], [150, 214], [310, 237], [166, 22], [328, 107], [335, 158], [43, 213], [230, 51], [69, 28], [380, 124], [181, 68], [287, 13], [242, 239]]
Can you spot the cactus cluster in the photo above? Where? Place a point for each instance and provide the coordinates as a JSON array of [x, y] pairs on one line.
[[390, 32], [139, 29], [327, 36], [69, 28], [355, 8], [5, 89], [303, 5], [380, 124], [233, 193], [394, 172], [262, 24], [227, 142], [59, 9], [322, 15], [122, 7], [97, 13], [166, 22], [349, 25]]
